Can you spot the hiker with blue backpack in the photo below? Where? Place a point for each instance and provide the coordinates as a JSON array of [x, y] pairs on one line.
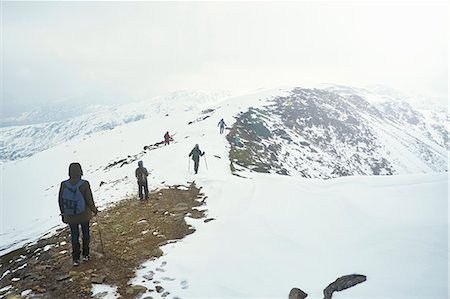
[[77, 205]]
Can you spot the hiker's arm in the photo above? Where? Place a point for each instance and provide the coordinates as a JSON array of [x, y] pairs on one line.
[[60, 199], [89, 198], [136, 173], [61, 202]]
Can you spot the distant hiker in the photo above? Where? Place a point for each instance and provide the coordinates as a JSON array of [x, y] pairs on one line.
[[141, 175], [237, 140], [76, 205], [196, 153], [167, 138], [221, 125]]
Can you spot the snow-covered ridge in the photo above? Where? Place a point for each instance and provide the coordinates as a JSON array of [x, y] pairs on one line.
[[318, 133], [24, 141], [268, 230]]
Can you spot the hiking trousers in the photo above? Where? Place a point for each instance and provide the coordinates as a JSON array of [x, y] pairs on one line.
[[196, 164], [143, 190], [75, 235]]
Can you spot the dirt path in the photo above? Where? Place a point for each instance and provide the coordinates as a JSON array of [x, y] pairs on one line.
[[132, 232]]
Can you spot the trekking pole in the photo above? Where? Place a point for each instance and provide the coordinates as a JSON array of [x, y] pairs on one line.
[[189, 164], [206, 164], [100, 234]]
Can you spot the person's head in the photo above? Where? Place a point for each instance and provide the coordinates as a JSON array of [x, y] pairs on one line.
[[75, 171], [140, 164], [196, 146]]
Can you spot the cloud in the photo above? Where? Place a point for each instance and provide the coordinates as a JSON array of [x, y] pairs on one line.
[[53, 50]]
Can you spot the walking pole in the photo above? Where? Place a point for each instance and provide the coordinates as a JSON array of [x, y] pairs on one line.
[[206, 164], [100, 234], [189, 164]]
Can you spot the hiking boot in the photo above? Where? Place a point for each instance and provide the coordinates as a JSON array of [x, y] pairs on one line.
[[85, 258], [76, 263]]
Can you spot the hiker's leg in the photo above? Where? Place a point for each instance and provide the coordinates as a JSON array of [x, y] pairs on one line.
[[196, 165], [140, 190], [146, 189], [75, 235], [86, 238]]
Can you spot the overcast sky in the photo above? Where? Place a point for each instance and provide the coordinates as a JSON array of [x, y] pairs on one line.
[[56, 50]]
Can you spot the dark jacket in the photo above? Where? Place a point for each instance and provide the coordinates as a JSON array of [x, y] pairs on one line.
[[141, 174], [196, 153], [85, 190]]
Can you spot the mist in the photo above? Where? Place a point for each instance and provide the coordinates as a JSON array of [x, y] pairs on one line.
[[52, 51]]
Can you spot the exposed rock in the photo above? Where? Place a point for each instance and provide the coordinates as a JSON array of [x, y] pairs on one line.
[[296, 293], [343, 283], [62, 277], [157, 252], [159, 289], [98, 279], [208, 220]]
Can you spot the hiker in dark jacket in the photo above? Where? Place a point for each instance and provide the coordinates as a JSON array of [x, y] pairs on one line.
[[141, 176], [167, 138], [196, 153], [76, 205], [221, 125]]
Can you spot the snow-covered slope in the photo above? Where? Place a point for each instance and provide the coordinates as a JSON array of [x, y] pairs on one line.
[[24, 141], [270, 232], [321, 134]]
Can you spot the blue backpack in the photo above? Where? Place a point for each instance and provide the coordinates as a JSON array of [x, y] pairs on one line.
[[73, 200]]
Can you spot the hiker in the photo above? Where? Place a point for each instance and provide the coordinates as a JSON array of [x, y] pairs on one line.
[[76, 205], [221, 125], [196, 153], [167, 138], [141, 175], [237, 140]]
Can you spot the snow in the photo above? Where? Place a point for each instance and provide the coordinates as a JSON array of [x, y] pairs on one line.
[[104, 291], [270, 233], [307, 233]]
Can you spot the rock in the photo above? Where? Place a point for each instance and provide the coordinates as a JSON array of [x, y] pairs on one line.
[[148, 276], [39, 289], [98, 278], [296, 293], [208, 220], [157, 252], [62, 277], [136, 289], [343, 283], [73, 273], [148, 297], [159, 289], [13, 297], [165, 294]]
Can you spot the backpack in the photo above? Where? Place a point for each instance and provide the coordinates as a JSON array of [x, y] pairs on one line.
[[73, 200], [142, 174]]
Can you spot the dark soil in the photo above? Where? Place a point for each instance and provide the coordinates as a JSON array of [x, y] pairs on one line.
[[132, 232]]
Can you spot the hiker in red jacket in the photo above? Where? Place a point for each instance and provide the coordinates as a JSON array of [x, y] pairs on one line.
[[76, 205]]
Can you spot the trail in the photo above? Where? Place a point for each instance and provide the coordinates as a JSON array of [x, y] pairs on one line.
[[132, 232]]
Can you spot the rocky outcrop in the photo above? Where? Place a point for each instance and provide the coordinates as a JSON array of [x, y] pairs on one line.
[[296, 293], [343, 283]]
